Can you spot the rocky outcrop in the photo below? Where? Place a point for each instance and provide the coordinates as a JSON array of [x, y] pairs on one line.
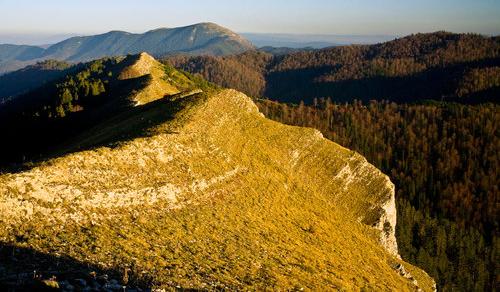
[[386, 223], [400, 269]]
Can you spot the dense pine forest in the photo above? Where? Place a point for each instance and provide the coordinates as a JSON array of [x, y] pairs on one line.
[[424, 109], [444, 161]]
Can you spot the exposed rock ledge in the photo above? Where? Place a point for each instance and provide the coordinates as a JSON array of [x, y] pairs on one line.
[[387, 222]]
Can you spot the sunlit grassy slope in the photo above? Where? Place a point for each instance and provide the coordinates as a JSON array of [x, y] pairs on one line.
[[216, 196]]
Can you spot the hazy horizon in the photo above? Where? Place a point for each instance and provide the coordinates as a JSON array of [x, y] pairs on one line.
[[42, 39], [48, 39], [33, 21]]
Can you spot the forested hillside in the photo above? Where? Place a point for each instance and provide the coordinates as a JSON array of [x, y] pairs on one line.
[[31, 77], [440, 66], [444, 161], [245, 72]]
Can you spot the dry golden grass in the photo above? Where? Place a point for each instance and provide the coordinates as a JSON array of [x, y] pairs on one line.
[[218, 197], [162, 81]]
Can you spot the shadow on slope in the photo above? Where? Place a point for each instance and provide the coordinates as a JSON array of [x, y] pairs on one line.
[[31, 77], [81, 131], [24, 269], [107, 101], [438, 83]]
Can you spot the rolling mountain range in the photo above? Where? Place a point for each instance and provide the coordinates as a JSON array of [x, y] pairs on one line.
[[438, 66], [198, 39], [299, 41], [161, 180]]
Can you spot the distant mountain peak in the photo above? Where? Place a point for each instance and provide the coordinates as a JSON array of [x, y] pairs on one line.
[[196, 39], [208, 25]]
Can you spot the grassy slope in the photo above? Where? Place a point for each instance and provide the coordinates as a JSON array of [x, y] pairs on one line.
[[217, 196]]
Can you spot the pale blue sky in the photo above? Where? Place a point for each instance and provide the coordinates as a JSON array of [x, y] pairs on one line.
[[394, 17]]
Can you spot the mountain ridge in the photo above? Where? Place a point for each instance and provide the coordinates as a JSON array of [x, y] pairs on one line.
[[221, 108], [209, 195], [197, 39]]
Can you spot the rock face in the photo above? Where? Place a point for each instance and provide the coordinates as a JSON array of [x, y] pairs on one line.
[[217, 197], [386, 223]]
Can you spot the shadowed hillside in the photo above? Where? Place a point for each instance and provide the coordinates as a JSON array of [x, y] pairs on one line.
[[31, 77], [439, 66], [34, 123]]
